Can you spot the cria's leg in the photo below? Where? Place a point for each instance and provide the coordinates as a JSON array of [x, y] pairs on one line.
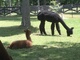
[[52, 28], [58, 28], [42, 28]]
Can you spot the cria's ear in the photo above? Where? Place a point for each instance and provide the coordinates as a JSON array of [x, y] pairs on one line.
[[72, 28]]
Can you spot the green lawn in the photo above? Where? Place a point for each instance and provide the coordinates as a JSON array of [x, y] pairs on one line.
[[44, 47]]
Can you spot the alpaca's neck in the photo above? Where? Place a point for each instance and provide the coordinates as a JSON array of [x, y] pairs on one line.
[[64, 25], [28, 37]]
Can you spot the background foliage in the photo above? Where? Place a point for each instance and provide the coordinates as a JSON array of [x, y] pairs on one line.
[[35, 2], [17, 2]]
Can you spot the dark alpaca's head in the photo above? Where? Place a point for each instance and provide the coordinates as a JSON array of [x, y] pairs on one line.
[[27, 31], [70, 31]]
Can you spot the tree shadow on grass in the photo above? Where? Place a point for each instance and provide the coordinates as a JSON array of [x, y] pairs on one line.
[[45, 52], [14, 30]]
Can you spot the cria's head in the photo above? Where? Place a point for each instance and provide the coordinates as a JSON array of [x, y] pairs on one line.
[[27, 31]]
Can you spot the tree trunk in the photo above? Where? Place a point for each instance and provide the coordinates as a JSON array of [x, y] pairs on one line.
[[44, 5], [25, 10]]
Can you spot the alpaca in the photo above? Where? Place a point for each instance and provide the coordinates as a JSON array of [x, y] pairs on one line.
[[55, 19], [22, 43]]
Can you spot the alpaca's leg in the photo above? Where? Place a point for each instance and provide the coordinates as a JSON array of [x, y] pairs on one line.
[[42, 27], [58, 28], [41, 31], [52, 28]]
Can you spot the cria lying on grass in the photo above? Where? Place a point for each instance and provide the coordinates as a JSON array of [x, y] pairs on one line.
[[22, 43]]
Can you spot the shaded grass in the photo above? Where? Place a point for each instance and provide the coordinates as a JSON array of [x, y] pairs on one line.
[[13, 30], [47, 52], [44, 47], [8, 31]]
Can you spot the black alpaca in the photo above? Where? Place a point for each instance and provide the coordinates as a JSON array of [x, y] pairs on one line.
[[55, 19]]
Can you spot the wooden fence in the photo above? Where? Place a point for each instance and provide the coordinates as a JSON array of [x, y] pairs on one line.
[[8, 10]]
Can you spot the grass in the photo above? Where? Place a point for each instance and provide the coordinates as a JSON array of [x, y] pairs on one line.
[[44, 47]]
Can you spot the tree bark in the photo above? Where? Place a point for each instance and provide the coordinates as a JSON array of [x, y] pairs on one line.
[[25, 10]]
